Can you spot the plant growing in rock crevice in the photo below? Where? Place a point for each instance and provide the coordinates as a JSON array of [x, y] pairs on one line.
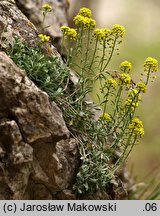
[[118, 129], [106, 142]]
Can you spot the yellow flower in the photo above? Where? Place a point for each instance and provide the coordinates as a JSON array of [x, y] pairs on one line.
[[69, 32], [118, 30], [131, 104], [84, 22], [136, 127], [112, 83], [151, 64], [134, 94], [125, 66], [47, 7], [98, 34], [141, 87], [107, 32], [105, 116], [133, 99], [101, 34], [44, 37], [124, 79], [86, 12], [64, 28]]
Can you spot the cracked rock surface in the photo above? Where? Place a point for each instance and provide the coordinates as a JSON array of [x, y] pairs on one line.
[[35, 148]]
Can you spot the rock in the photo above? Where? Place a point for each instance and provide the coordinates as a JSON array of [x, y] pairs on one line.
[[28, 105], [13, 148], [14, 22], [35, 148], [66, 158], [15, 160], [65, 195], [37, 191]]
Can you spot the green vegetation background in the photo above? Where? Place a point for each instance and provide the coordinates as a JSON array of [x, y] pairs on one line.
[[142, 39]]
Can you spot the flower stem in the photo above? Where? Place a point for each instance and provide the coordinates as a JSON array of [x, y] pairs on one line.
[[111, 54]]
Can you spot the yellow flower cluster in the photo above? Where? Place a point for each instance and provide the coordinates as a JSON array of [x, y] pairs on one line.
[[118, 30], [131, 104], [112, 83], [69, 32], [101, 34], [125, 66], [151, 64], [47, 7], [85, 22], [86, 12], [133, 99], [134, 94], [105, 116], [136, 127], [107, 32], [44, 37], [124, 79], [141, 87]]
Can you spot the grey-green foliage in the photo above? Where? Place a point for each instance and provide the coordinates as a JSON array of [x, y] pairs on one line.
[[47, 72]]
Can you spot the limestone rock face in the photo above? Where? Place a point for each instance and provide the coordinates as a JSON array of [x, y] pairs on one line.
[[34, 141], [23, 101], [16, 157], [14, 22]]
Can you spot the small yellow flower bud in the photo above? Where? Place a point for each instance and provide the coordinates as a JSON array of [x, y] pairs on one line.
[[86, 12], [84, 21], [125, 66], [112, 83], [133, 94], [151, 64], [44, 37], [105, 116], [141, 87], [136, 127], [101, 34], [69, 32], [124, 79], [118, 30], [47, 7]]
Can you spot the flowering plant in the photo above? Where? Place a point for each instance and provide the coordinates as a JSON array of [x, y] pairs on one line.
[[117, 128], [105, 140]]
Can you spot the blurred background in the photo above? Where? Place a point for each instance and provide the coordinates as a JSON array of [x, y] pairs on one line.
[[141, 20]]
